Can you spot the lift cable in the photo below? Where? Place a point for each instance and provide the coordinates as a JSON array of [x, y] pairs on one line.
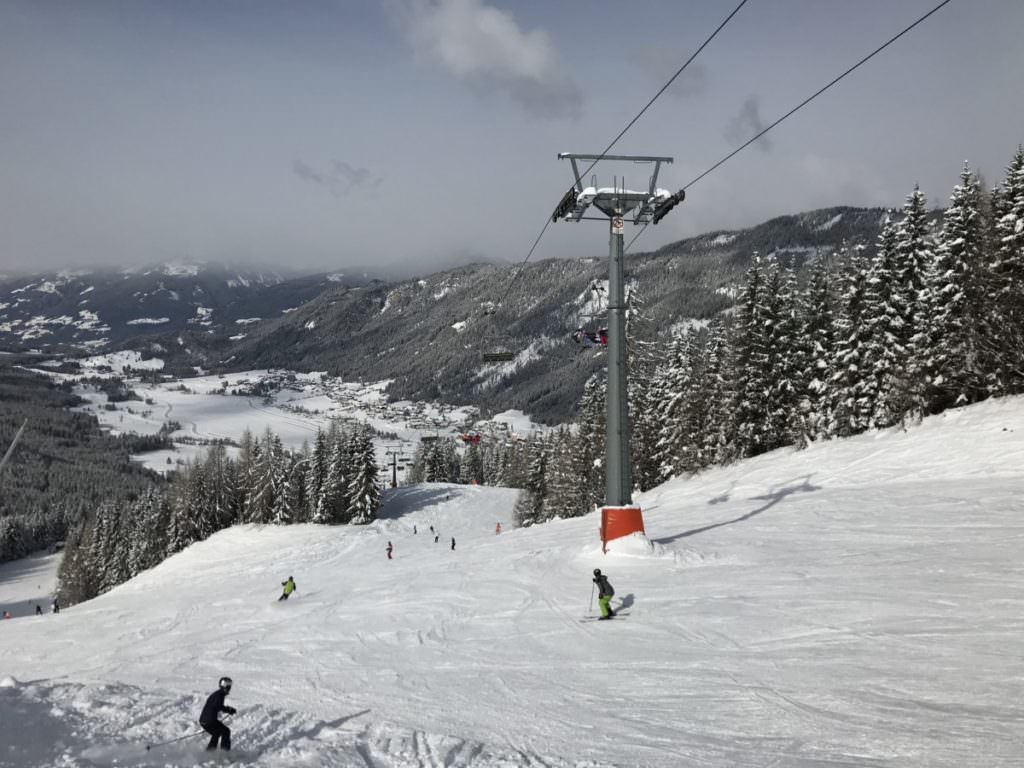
[[805, 102], [547, 219]]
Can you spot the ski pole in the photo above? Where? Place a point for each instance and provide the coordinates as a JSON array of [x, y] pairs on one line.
[[591, 609], [172, 741], [180, 738]]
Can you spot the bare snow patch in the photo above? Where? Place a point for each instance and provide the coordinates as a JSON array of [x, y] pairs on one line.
[[829, 224], [118, 361]]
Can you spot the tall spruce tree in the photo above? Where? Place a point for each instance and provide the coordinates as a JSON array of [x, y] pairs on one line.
[[363, 486], [818, 338], [1008, 273], [950, 357], [851, 390]]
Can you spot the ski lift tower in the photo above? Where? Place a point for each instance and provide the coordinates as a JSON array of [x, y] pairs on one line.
[[619, 516]]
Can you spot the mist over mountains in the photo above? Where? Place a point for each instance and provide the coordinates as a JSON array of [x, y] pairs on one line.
[[425, 334]]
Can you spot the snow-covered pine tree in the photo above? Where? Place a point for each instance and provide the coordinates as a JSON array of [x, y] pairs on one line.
[[106, 554], [886, 352], [221, 481], [755, 327], [76, 581], [332, 507], [529, 507], [676, 448], [316, 473], [450, 460], [567, 494], [417, 471], [591, 439], [436, 467], [949, 356], [149, 540], [715, 391], [851, 393], [902, 300], [1008, 271], [261, 491], [286, 494], [817, 332], [471, 466], [643, 355], [363, 488], [244, 464], [296, 486], [790, 351], [181, 529]]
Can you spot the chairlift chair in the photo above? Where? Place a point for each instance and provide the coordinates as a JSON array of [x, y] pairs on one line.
[[498, 357]]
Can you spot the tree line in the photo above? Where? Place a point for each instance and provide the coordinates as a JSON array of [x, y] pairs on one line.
[[931, 319], [334, 482], [64, 465]]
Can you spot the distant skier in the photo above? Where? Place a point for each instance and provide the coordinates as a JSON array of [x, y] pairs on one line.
[[213, 707], [431, 529], [7, 614], [453, 543], [497, 529], [414, 529], [56, 606], [39, 610], [289, 587], [437, 537], [605, 593], [389, 550]]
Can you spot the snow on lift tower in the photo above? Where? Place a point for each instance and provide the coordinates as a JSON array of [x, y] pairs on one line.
[[619, 516]]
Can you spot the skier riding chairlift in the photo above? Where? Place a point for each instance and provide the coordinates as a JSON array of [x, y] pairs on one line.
[[590, 338]]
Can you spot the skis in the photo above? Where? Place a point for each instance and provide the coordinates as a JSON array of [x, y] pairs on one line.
[[618, 614]]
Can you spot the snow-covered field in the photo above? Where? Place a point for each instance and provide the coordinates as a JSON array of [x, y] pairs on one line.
[[860, 603], [28, 582], [294, 407]]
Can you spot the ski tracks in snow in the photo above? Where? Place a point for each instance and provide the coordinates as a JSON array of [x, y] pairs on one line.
[[96, 726]]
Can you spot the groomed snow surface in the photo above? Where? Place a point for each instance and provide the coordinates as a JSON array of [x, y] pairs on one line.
[[860, 603]]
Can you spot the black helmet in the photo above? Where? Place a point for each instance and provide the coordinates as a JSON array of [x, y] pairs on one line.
[[597, 571], [224, 684]]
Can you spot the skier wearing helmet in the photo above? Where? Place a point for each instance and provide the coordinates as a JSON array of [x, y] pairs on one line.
[[208, 719], [605, 593]]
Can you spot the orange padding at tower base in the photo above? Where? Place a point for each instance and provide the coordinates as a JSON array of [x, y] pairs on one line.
[[617, 522]]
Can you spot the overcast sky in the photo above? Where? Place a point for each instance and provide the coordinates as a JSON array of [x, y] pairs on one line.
[[417, 133]]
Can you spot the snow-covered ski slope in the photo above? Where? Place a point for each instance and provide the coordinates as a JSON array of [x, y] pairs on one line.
[[860, 603]]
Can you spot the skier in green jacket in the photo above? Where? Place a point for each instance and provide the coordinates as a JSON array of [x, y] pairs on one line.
[[289, 587]]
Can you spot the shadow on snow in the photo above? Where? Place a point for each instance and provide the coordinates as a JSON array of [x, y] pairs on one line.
[[771, 498]]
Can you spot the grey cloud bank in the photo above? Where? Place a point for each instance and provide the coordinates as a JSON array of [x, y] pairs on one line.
[[408, 134]]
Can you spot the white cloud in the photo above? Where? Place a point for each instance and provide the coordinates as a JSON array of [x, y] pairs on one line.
[[485, 46]]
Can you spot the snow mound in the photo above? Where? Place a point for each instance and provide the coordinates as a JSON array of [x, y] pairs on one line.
[[634, 545], [8, 682]]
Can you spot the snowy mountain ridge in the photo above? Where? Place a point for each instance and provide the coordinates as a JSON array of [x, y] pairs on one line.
[[855, 603], [425, 334]]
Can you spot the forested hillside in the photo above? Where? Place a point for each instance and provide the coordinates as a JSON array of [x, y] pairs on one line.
[[427, 336], [63, 467]]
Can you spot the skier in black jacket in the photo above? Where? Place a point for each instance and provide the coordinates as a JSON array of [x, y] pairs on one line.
[[208, 719], [605, 593]]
